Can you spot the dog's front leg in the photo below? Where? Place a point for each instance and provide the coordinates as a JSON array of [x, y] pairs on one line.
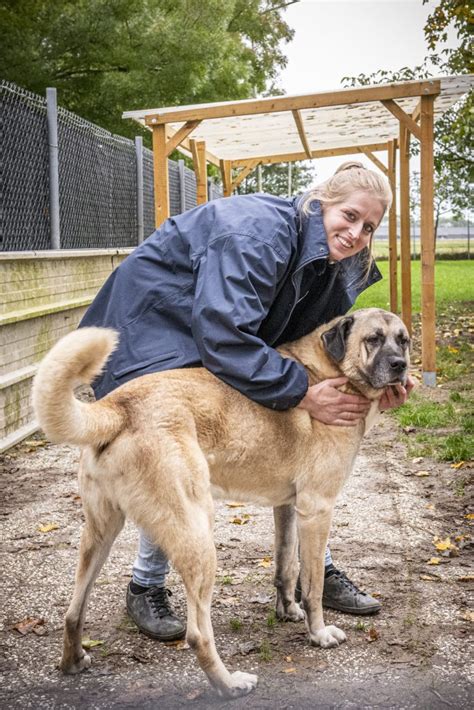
[[314, 515], [286, 563]]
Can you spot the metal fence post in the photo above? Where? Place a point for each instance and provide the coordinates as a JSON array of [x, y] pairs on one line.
[[182, 186], [140, 215], [52, 116]]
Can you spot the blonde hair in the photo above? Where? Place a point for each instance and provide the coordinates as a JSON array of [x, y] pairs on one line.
[[350, 177]]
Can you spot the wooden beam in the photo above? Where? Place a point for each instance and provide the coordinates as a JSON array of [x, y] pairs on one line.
[[392, 227], [358, 95], [326, 153], [303, 137], [243, 173], [403, 117], [405, 246], [185, 148], [180, 135], [376, 161], [417, 112], [428, 306], [198, 149], [226, 172], [160, 175]]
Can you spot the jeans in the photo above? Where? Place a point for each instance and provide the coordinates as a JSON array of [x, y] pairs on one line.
[[151, 565]]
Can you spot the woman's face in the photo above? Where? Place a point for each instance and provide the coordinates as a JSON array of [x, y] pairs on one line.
[[350, 224]]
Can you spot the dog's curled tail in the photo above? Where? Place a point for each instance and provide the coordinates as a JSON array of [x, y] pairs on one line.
[[75, 359]]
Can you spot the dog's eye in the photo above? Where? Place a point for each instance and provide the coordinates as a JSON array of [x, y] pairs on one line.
[[372, 339], [404, 341]]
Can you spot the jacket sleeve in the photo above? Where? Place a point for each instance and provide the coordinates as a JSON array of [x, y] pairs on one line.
[[236, 283]]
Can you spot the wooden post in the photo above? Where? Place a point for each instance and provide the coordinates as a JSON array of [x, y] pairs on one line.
[[428, 330], [405, 246], [160, 175], [198, 149], [226, 172], [392, 225]]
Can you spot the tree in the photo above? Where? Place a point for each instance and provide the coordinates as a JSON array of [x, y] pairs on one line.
[[453, 162], [275, 179], [105, 57]]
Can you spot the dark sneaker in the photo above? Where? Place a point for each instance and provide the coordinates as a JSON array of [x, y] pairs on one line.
[[151, 611], [342, 594]]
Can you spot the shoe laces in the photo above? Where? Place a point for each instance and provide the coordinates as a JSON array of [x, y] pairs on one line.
[[344, 579], [159, 601]]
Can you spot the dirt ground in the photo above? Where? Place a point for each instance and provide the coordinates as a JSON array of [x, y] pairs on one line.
[[414, 654]]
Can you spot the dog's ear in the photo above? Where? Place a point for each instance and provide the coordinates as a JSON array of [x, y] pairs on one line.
[[334, 339]]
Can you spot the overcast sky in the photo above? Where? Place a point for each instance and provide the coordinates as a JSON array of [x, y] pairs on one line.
[[337, 38]]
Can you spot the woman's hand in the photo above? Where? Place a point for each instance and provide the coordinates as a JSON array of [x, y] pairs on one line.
[[327, 404], [396, 395]]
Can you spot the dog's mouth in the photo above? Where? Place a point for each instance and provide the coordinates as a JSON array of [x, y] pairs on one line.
[[378, 382]]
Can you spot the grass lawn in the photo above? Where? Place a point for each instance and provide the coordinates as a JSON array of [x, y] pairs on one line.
[[454, 281]]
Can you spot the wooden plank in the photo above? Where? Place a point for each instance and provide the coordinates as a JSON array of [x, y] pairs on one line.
[[185, 148], [428, 306], [326, 153], [417, 112], [405, 246], [376, 161], [243, 173], [160, 175], [198, 149], [274, 104], [403, 117], [180, 135], [302, 132], [392, 227], [226, 172]]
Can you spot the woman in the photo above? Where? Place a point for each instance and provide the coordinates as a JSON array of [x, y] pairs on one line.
[[221, 286]]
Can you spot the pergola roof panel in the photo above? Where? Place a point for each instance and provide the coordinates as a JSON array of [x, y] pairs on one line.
[[273, 133]]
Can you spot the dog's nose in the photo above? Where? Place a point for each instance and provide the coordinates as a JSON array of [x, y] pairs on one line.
[[397, 364]]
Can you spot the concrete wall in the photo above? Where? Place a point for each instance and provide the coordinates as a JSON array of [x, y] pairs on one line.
[[43, 296]]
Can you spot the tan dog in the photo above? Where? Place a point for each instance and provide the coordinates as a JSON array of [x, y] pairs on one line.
[[159, 447]]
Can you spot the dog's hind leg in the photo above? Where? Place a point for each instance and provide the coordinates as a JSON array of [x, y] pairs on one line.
[[195, 560], [286, 563], [103, 524]]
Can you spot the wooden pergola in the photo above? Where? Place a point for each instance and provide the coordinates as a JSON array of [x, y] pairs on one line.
[[237, 136]]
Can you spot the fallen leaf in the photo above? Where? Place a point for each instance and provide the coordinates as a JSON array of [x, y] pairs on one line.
[[430, 577], [466, 578], [48, 527], [35, 443], [261, 599], [469, 516], [430, 506], [29, 624], [238, 521], [88, 643], [468, 615], [266, 562], [419, 459], [434, 561], [233, 504], [289, 670], [445, 545], [421, 474], [288, 659], [457, 465], [372, 634], [179, 645]]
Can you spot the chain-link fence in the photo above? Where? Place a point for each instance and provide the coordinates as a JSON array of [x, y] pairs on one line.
[[98, 180]]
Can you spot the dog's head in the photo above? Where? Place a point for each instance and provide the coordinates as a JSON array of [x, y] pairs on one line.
[[370, 346]]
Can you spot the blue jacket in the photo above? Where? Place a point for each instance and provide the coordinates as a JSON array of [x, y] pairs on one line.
[[217, 286]]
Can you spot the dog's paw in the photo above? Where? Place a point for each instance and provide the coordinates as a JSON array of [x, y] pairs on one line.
[[328, 637], [293, 613], [72, 667], [241, 684]]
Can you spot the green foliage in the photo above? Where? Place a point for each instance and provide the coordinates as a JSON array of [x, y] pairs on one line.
[[235, 624], [453, 162], [265, 653], [271, 619], [106, 57], [275, 179]]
